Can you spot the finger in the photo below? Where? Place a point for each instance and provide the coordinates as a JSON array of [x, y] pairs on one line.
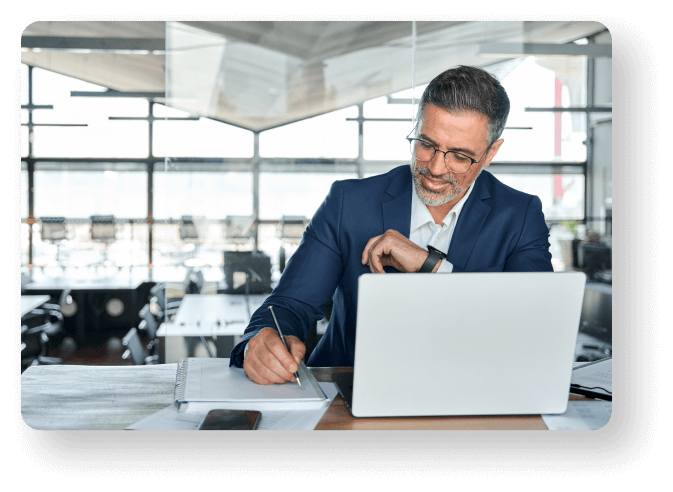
[[297, 348], [284, 364], [365, 252], [252, 374], [260, 374], [255, 368], [262, 355], [271, 368], [375, 254]]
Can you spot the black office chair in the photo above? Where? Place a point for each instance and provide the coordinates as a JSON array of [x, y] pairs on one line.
[[35, 346], [148, 324], [163, 309], [135, 350], [199, 281], [48, 320]]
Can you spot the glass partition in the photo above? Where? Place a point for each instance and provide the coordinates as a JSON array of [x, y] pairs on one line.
[[259, 118]]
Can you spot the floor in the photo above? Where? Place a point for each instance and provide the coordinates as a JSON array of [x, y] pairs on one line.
[[110, 353], [106, 354]]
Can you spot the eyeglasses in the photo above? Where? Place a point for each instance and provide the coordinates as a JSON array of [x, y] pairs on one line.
[[455, 162]]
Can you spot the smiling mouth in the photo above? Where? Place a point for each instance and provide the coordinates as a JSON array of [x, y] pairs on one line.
[[434, 185]]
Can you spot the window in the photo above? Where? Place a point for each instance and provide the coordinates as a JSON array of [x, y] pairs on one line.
[[80, 194], [200, 138], [294, 193], [212, 195], [325, 136]]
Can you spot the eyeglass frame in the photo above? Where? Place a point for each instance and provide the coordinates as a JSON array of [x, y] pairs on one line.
[[472, 161]]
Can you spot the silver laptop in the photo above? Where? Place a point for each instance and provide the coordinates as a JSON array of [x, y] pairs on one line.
[[463, 344]]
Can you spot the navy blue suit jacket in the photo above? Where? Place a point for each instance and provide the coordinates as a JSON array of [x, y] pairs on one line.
[[499, 230]]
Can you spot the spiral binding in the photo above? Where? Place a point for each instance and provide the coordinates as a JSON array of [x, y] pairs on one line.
[[180, 379]]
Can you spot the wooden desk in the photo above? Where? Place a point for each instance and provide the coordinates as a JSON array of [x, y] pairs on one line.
[[28, 303], [114, 397]]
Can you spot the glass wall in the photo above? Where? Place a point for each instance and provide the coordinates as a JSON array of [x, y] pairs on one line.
[[236, 141]]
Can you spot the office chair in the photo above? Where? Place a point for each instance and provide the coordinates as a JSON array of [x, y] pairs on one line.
[[48, 320], [188, 232], [238, 230], [54, 232], [291, 231], [148, 324], [188, 229], [161, 308], [135, 350], [103, 230], [35, 346], [196, 284]]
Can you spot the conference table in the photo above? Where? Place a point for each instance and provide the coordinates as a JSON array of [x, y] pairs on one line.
[[223, 316], [115, 397], [28, 303]]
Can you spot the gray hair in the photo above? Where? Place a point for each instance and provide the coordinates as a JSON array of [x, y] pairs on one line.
[[469, 89]]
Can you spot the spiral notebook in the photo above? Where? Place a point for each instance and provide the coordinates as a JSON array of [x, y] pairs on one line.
[[203, 381]]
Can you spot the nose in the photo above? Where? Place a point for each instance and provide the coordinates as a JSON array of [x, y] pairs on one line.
[[436, 165]]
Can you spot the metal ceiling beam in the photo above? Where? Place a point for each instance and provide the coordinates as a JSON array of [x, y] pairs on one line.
[[591, 109], [91, 43], [111, 93], [568, 49]]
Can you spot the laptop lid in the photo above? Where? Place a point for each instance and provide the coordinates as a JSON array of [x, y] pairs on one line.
[[465, 343]]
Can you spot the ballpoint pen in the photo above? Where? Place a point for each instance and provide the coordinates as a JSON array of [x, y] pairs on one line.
[[296, 375]]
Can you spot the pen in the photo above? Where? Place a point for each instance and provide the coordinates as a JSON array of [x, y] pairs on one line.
[[296, 375]]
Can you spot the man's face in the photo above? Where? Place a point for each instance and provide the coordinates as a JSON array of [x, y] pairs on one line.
[[465, 132]]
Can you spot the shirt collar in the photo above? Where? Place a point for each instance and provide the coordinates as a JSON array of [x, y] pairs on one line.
[[420, 215]]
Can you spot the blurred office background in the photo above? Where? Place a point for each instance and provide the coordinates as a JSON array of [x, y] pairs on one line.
[[165, 159]]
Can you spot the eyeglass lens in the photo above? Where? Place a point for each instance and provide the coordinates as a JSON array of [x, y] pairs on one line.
[[453, 161]]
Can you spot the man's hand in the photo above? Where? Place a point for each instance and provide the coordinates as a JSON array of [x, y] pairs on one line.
[[393, 249], [267, 361]]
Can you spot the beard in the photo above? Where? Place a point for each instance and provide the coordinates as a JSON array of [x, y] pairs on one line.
[[433, 198]]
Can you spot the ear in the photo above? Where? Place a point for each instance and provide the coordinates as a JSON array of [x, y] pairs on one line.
[[494, 150]]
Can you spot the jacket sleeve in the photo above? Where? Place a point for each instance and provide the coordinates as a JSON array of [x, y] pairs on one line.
[[531, 252], [308, 281]]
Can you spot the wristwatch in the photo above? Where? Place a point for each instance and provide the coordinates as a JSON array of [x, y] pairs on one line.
[[431, 260]]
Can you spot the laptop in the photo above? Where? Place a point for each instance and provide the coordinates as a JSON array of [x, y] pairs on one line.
[[463, 344]]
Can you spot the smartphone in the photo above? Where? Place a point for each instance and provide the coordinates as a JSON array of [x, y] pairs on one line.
[[230, 420]]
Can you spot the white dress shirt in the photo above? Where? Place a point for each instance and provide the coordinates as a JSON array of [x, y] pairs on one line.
[[423, 231]]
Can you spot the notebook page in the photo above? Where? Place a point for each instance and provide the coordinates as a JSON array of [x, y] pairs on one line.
[[213, 380]]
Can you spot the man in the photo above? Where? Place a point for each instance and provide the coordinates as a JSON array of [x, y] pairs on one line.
[[445, 216]]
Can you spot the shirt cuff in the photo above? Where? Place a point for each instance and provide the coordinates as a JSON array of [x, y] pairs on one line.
[[445, 266]]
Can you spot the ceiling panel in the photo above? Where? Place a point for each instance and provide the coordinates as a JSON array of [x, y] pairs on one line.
[[259, 75]]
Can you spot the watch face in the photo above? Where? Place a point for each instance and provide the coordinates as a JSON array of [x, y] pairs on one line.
[[432, 249]]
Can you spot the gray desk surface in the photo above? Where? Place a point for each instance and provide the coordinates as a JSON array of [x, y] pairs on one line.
[[119, 276], [28, 303], [94, 283], [114, 397], [94, 397]]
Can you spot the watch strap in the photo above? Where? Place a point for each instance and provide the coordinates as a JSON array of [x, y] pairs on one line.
[[433, 256]]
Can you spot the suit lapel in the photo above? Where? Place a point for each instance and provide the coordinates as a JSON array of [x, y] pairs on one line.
[[469, 225], [396, 204]]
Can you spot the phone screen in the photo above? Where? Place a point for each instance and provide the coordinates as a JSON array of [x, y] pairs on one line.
[[231, 420]]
